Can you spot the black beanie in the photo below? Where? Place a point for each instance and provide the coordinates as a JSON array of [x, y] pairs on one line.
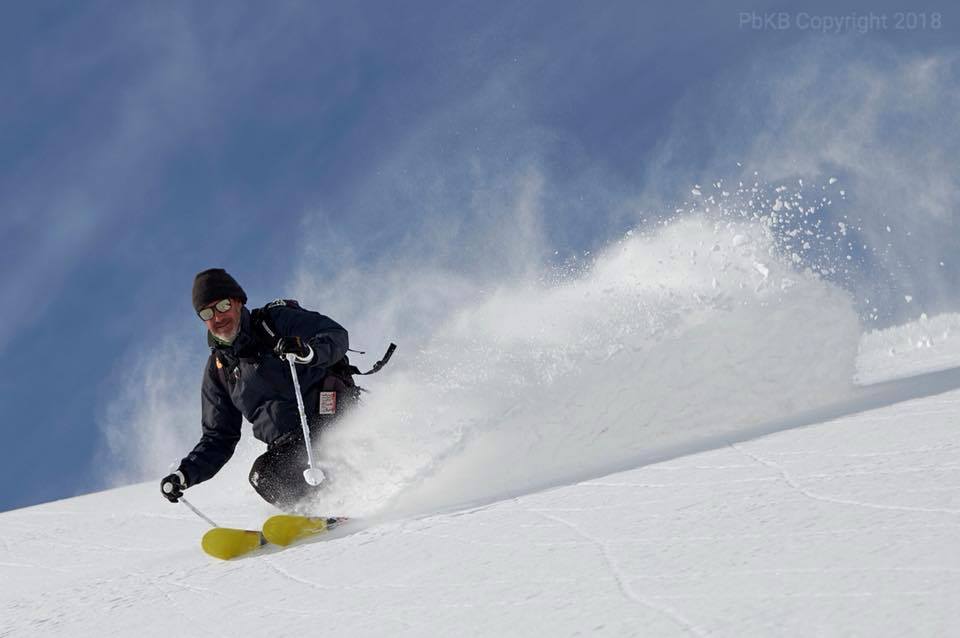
[[213, 285]]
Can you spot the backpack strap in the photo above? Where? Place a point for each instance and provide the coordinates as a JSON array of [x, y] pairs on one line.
[[378, 365], [260, 318]]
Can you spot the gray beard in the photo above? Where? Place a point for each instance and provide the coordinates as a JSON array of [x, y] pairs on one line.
[[226, 341]]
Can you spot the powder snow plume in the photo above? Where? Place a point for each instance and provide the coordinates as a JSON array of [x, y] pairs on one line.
[[672, 337], [700, 329]]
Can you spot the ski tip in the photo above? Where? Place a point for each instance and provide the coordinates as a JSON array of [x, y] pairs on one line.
[[226, 543]]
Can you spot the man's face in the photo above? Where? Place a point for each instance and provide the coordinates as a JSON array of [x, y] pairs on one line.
[[225, 325]]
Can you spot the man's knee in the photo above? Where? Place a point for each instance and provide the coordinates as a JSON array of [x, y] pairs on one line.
[[277, 477], [267, 477], [262, 478]]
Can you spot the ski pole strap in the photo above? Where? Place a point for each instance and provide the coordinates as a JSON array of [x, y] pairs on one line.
[[379, 364]]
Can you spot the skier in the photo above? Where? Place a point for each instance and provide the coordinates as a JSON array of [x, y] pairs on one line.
[[247, 376]]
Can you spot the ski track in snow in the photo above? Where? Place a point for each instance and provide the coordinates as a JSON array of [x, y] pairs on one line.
[[792, 482], [623, 581]]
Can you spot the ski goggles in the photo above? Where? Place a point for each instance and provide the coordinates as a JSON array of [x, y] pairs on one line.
[[207, 313]]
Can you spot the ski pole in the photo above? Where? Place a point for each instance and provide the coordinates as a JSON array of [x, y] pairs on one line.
[[173, 468], [197, 512], [312, 475]]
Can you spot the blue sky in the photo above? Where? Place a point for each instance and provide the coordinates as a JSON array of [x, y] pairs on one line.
[[146, 141]]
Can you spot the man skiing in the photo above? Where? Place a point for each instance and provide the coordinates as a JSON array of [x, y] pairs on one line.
[[247, 376]]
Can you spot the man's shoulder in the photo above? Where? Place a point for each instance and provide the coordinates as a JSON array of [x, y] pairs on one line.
[[283, 303], [213, 370], [281, 309]]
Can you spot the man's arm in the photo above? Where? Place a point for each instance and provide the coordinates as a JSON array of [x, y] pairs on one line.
[[221, 422], [327, 338]]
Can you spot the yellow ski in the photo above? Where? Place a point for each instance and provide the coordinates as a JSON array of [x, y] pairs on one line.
[[226, 543], [284, 529]]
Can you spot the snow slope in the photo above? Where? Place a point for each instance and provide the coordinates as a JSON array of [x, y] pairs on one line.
[[845, 526]]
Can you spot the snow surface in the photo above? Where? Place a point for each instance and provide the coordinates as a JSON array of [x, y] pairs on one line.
[[690, 437], [926, 345], [848, 526]]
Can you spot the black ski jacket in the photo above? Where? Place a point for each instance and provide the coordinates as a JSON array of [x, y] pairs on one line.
[[246, 379]]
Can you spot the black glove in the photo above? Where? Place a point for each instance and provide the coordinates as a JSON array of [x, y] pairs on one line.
[[294, 346], [172, 486]]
